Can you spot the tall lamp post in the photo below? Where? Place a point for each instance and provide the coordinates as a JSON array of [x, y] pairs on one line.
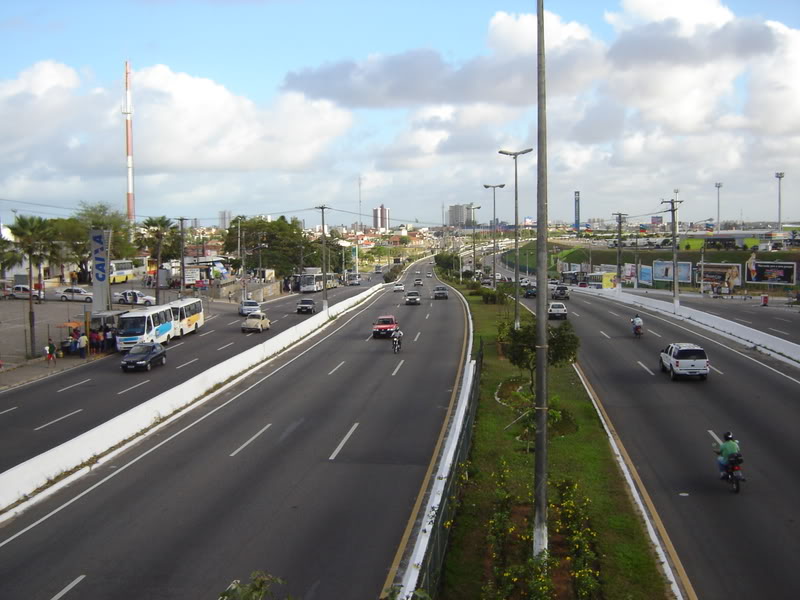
[[779, 177], [472, 209], [494, 230], [719, 223], [514, 155]]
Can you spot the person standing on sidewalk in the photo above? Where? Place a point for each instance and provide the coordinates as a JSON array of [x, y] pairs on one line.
[[83, 342], [51, 352]]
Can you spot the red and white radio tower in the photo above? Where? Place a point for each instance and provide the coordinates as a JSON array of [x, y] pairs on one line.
[[128, 111]]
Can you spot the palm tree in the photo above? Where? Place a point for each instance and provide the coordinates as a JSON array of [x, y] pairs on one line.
[[33, 237], [157, 229], [9, 257]]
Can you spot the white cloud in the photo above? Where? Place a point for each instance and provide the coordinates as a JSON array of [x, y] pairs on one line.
[[689, 14]]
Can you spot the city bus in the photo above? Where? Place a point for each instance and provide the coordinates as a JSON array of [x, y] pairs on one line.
[[187, 316], [121, 271], [311, 282], [333, 280], [152, 324], [601, 280]]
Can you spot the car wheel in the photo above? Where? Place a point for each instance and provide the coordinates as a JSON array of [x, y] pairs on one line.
[[661, 366], [122, 301], [88, 300], [148, 303], [260, 329], [163, 360], [63, 298], [672, 374], [149, 366]]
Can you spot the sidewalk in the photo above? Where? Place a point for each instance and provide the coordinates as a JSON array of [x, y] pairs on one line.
[[13, 375]]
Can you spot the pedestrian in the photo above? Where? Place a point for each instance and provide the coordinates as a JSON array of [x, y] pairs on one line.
[[73, 343], [83, 342], [107, 338], [94, 338], [51, 352]]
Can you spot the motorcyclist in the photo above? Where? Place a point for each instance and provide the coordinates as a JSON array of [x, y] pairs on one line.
[[637, 322], [397, 334], [729, 446]]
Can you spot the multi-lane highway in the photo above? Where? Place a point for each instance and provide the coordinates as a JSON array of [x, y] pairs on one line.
[[732, 546], [308, 470], [46, 413]]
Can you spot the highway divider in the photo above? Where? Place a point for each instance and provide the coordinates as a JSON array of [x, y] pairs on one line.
[[23, 480]]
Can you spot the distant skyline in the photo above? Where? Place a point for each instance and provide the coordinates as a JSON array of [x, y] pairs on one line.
[[277, 106]]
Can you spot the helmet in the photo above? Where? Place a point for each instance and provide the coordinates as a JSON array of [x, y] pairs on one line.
[[636, 316], [727, 436]]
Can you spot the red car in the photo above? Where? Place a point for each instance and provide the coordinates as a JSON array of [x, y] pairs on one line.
[[385, 326]]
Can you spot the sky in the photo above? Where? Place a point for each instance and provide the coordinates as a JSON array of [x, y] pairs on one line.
[[274, 107]]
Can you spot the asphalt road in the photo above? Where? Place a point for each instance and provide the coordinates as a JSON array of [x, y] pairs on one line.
[[48, 412], [732, 546], [307, 470]]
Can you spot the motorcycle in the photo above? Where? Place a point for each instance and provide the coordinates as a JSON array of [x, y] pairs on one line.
[[638, 331], [395, 345], [733, 472]]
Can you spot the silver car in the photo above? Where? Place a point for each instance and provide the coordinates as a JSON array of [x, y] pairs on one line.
[[248, 306]]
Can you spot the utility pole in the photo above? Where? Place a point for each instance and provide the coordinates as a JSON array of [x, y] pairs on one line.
[[324, 269], [183, 258], [494, 231], [472, 209], [619, 216], [674, 210], [239, 245]]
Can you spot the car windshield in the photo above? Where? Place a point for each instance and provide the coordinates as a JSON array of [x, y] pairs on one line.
[[131, 326], [250, 303], [139, 349], [306, 302], [385, 321], [691, 354], [410, 294]]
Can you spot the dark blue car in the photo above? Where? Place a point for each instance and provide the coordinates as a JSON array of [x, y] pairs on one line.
[[143, 356], [530, 292]]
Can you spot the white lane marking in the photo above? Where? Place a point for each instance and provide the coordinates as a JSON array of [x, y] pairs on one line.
[[714, 435], [235, 452], [575, 314], [428, 315], [133, 387], [225, 346], [188, 363], [74, 412], [2, 412], [716, 369], [172, 346], [274, 320], [778, 330], [249, 334], [605, 334], [73, 385], [654, 333], [417, 336], [613, 313], [397, 368], [343, 442], [369, 338], [784, 320], [207, 332], [232, 322], [743, 321], [641, 364], [63, 592], [584, 301], [335, 368]]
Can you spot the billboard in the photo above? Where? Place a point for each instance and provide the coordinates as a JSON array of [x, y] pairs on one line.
[[100, 266], [645, 275], [775, 273], [719, 274], [662, 271], [628, 271], [656, 220]]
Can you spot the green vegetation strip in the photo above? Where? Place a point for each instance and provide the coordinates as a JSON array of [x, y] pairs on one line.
[[490, 545]]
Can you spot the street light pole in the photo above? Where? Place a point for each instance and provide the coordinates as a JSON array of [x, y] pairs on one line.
[[494, 230], [779, 177], [719, 223], [472, 209], [324, 269], [514, 155], [674, 210]]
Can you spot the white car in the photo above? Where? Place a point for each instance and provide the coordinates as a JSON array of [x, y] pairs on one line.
[[256, 321], [556, 310], [23, 291], [684, 359], [248, 306], [75, 293], [133, 297], [398, 287]]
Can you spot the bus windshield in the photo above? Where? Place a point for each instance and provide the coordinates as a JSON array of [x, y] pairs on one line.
[[132, 326]]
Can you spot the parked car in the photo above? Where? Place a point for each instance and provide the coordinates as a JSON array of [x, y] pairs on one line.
[[23, 291], [398, 287], [385, 326], [530, 292], [306, 305], [133, 297], [75, 293], [418, 281], [256, 321], [556, 310], [248, 306], [440, 292], [679, 359], [583, 284], [143, 356], [561, 292], [413, 297]]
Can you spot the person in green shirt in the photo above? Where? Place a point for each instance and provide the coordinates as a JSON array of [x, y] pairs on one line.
[[729, 446]]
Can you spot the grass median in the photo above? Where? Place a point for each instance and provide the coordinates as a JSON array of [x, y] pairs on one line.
[[491, 535]]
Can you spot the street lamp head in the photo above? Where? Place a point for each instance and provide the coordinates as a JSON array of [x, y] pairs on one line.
[[779, 175], [501, 185], [515, 154], [718, 185]]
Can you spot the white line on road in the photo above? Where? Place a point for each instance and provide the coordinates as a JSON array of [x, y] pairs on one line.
[[613, 313], [74, 412], [397, 368], [417, 336], [714, 435], [743, 321], [336, 367], [63, 592], [343, 442], [605, 334], [716, 369], [225, 346], [73, 385], [778, 330], [2, 412], [188, 363], [575, 314], [784, 320], [232, 322], [369, 338], [654, 333], [428, 315], [173, 345], [235, 452], [133, 387], [249, 334], [207, 332], [641, 364]]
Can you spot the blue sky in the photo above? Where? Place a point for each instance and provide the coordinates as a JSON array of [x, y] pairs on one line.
[[274, 106]]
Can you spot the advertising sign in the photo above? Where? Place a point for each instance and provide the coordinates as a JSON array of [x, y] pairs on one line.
[[645, 275], [775, 273], [656, 220], [662, 271], [608, 268], [100, 288], [190, 275], [719, 274]]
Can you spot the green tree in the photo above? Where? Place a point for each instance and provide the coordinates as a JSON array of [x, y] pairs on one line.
[[157, 229], [9, 257], [101, 216], [33, 237]]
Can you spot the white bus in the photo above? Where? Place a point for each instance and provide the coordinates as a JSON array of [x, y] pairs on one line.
[[187, 316], [311, 282], [121, 271], [153, 324]]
